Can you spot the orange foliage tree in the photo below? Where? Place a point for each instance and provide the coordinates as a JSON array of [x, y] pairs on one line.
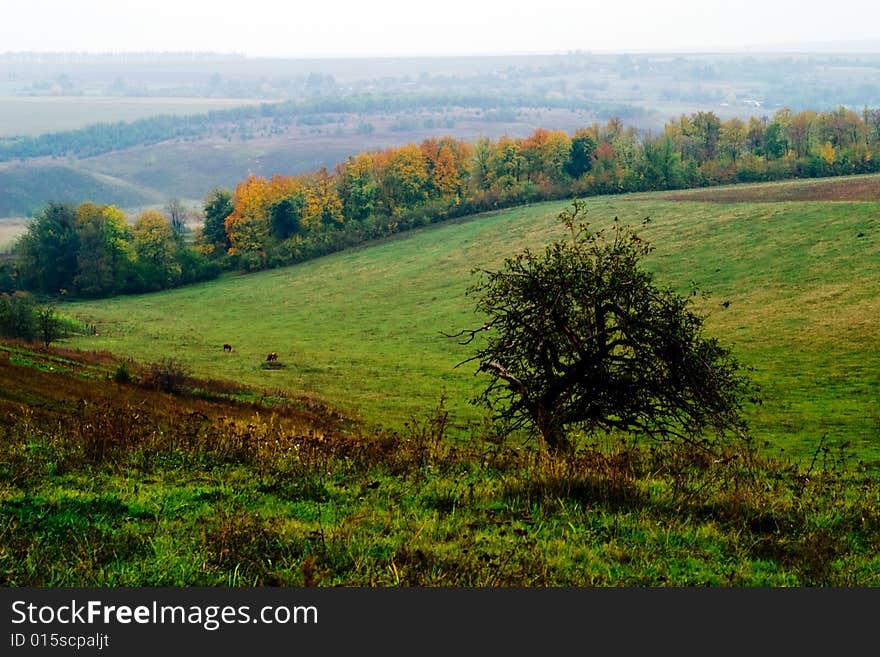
[[249, 227]]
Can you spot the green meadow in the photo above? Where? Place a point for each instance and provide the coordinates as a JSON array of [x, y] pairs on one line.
[[794, 289], [115, 470]]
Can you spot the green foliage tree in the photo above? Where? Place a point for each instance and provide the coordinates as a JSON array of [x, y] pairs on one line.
[[706, 131], [660, 165], [18, 316], [775, 144], [156, 247], [8, 278], [91, 251], [104, 260], [46, 255], [481, 164], [583, 145], [286, 215], [581, 336], [358, 187], [217, 206], [732, 139]]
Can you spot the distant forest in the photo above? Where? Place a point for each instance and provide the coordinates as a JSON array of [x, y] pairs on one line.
[[92, 251]]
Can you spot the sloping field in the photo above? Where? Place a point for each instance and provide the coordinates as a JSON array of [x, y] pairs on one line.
[[118, 484], [27, 187], [845, 188], [362, 330]]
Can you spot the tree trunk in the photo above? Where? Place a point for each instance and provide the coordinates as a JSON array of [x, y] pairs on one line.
[[553, 436]]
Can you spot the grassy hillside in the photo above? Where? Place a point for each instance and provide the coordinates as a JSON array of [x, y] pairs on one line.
[[844, 188], [362, 329], [26, 188], [123, 484]]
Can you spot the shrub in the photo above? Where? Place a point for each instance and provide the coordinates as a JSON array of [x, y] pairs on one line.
[[122, 374], [168, 375]]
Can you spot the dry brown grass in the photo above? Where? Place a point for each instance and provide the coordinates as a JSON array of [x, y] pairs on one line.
[[848, 188]]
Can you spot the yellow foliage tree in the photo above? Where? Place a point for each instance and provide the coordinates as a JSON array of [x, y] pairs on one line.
[[447, 177], [154, 237], [156, 246], [555, 154], [248, 225], [105, 249], [403, 177], [828, 153], [323, 205], [506, 164]]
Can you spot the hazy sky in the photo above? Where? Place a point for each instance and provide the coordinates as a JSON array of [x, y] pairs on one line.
[[316, 28]]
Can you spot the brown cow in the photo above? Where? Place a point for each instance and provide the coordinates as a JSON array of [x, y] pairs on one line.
[[272, 356], [227, 346]]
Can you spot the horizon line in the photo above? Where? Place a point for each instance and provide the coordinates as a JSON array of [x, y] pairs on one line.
[[860, 46]]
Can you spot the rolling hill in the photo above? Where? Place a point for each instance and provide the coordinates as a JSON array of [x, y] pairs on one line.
[[28, 187], [115, 474], [362, 330]]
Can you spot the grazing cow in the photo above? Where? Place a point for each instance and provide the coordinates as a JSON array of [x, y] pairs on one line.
[[227, 346], [272, 356]]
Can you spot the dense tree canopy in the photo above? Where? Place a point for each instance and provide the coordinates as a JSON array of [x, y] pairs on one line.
[[47, 253], [91, 250]]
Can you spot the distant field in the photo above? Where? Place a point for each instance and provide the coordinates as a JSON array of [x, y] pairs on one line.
[[362, 330], [9, 230], [35, 115], [848, 188]]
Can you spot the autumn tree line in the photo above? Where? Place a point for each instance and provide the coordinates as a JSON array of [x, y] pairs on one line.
[[276, 221], [91, 250]]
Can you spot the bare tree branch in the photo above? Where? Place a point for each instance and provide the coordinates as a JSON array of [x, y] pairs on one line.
[[471, 333]]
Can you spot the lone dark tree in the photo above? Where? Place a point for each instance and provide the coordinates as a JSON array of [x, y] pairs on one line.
[[580, 336], [217, 206]]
